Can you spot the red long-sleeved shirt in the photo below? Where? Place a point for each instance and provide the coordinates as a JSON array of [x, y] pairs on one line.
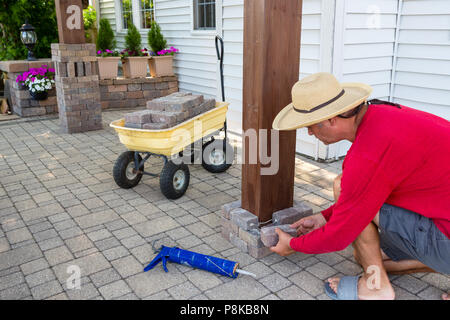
[[400, 157]]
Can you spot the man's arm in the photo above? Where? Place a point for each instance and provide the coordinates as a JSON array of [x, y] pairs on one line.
[[364, 189]]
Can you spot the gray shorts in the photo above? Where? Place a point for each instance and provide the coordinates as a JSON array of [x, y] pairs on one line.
[[406, 235]]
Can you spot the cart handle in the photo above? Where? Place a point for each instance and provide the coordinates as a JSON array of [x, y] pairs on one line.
[[220, 54]]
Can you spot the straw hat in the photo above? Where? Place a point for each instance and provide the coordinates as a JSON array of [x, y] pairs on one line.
[[319, 97]]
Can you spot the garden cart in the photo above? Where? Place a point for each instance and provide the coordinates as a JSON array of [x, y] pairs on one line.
[[175, 145]]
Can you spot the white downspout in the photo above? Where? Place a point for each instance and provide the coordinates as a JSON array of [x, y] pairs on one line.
[[394, 60]]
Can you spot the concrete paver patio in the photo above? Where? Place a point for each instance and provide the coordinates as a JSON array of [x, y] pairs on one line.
[[60, 207]]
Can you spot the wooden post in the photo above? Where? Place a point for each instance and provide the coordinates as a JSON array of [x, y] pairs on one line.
[[69, 15], [271, 67]]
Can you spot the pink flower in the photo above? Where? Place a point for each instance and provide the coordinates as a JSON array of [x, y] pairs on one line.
[[51, 70], [109, 51], [99, 52]]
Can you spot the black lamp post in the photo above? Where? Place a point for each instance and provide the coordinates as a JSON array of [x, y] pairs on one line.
[[28, 37]]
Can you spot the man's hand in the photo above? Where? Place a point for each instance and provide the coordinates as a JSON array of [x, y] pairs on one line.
[[283, 248], [308, 224]]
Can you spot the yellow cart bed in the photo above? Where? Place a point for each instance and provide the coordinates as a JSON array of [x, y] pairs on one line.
[[216, 155]]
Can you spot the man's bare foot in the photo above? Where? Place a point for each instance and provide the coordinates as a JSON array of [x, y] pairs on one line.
[[445, 296], [364, 293]]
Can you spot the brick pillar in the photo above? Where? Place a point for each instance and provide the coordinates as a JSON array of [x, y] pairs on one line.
[[77, 87]]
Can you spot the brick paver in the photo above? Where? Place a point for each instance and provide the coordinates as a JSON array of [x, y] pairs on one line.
[[60, 207]]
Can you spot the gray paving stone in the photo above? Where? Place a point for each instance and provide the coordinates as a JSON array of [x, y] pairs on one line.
[[184, 291], [156, 226], [275, 282], [70, 233], [44, 235], [321, 271], [40, 277], [189, 242], [308, 282], [19, 256], [348, 268], [34, 266], [127, 266], [88, 265], [18, 235], [431, 293], [79, 243], [132, 242], [58, 255], [148, 283], [241, 288], [285, 268], [294, 293], [50, 243], [11, 280], [116, 253], [104, 277], [46, 290], [41, 212], [97, 218], [200, 229], [410, 284], [124, 233], [438, 280], [115, 289], [86, 292], [99, 235], [16, 292], [106, 244], [203, 280], [4, 245], [162, 295]]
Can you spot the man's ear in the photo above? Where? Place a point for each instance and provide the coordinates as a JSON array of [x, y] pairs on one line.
[[332, 121]]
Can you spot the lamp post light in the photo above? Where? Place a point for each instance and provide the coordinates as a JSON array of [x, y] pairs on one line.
[[29, 38]]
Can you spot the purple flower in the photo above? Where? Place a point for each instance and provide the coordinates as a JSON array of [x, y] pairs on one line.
[[51, 70], [109, 51], [44, 66], [99, 52]]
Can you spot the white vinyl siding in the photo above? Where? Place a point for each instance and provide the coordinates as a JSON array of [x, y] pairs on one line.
[[422, 75], [363, 50]]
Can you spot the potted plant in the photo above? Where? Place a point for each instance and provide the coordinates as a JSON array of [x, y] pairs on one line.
[[108, 63], [38, 80], [161, 63], [134, 59], [108, 60]]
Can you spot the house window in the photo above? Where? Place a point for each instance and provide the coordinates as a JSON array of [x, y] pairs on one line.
[[147, 13], [127, 14], [204, 14]]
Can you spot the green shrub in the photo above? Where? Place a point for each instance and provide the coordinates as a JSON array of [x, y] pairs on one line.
[[105, 37], [40, 14], [90, 27], [133, 40], [155, 38]]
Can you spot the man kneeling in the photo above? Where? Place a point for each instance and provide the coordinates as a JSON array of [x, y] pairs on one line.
[[393, 197]]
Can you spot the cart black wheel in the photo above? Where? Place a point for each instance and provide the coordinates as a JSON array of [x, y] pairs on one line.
[[215, 158], [174, 180], [124, 171]]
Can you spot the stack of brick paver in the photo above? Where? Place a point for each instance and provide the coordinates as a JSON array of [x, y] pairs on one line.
[[243, 229], [168, 111], [77, 87]]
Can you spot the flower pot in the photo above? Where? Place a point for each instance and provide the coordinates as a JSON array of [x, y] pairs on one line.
[[135, 67], [39, 95], [107, 67], [161, 66]]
